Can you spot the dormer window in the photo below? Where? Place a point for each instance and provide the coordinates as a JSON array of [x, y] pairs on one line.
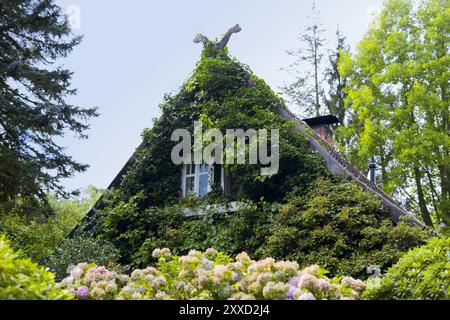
[[198, 179]]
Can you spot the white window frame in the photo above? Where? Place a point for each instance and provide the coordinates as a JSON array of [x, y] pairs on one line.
[[196, 177]]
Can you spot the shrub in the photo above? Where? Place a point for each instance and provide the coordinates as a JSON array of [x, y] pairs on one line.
[[244, 230], [342, 228], [21, 279], [422, 274], [39, 236], [211, 275], [76, 250]]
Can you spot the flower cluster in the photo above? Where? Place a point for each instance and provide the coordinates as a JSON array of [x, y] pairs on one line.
[[88, 281], [212, 275]]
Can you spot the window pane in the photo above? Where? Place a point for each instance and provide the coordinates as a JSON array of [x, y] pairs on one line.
[[203, 185], [204, 168], [190, 169], [190, 183]]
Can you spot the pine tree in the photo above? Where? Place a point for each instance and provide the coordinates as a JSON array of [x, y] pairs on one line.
[[335, 100], [33, 110], [307, 89]]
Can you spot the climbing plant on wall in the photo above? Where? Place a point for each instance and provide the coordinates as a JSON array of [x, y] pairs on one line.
[[146, 210], [224, 94]]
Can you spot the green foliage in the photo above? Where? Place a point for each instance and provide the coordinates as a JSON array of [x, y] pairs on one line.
[[76, 250], [21, 279], [38, 238], [245, 229], [335, 100], [421, 274], [398, 91], [340, 227], [211, 275], [34, 34]]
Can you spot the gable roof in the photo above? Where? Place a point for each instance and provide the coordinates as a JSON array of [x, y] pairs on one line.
[[334, 162]]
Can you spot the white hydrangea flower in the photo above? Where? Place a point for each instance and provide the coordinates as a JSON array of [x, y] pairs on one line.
[[307, 296], [312, 270]]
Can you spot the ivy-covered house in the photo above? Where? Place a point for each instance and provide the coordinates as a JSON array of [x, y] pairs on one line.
[[153, 202]]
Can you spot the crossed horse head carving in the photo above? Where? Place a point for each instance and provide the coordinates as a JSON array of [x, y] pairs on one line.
[[223, 43]]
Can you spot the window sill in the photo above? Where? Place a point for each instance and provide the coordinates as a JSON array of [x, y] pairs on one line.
[[219, 208]]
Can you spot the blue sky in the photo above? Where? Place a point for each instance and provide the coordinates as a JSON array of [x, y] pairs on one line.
[[136, 51]]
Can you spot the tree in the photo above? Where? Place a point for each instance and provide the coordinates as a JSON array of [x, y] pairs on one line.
[[398, 87], [38, 238], [307, 89], [33, 110], [335, 100]]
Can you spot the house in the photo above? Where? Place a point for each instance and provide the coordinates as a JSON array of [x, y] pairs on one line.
[[198, 179]]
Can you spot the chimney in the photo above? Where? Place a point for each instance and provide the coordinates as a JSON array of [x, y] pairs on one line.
[[322, 126]]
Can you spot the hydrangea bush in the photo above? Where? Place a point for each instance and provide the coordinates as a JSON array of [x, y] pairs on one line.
[[211, 275], [87, 281]]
